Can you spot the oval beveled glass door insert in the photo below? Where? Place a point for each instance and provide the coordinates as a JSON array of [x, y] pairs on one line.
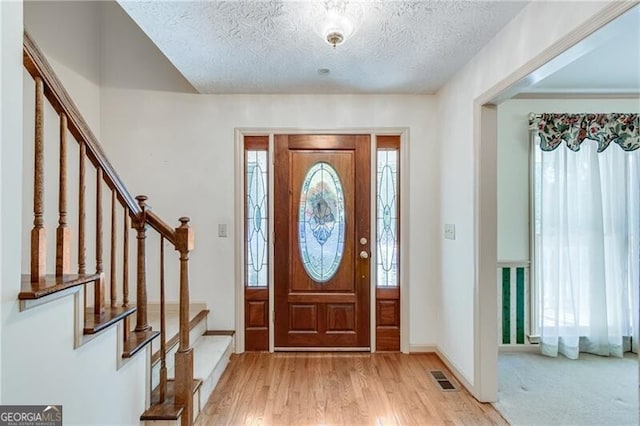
[[321, 222]]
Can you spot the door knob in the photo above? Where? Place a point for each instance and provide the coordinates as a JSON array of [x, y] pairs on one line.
[[364, 255]]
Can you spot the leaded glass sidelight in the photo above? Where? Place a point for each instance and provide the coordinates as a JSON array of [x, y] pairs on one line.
[[257, 219], [321, 222], [387, 218]]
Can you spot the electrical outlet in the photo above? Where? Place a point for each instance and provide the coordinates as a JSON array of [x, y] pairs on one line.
[[450, 231], [222, 230]]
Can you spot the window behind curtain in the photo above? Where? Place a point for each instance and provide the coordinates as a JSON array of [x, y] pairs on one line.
[[586, 223]]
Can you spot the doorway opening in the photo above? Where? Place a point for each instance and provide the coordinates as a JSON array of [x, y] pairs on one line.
[[485, 386]]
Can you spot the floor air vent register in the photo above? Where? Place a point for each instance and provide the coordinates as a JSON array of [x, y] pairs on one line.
[[442, 381]]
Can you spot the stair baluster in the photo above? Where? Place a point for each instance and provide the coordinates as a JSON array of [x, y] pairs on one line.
[[98, 288], [125, 270], [163, 325], [82, 252], [63, 233], [125, 259], [142, 323], [38, 233], [113, 291]]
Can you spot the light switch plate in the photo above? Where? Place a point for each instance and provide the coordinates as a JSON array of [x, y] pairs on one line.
[[222, 230], [449, 231]]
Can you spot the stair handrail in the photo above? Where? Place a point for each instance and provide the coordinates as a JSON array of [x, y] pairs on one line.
[[161, 226]]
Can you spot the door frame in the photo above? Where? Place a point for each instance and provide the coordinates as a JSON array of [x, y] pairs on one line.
[[239, 218]]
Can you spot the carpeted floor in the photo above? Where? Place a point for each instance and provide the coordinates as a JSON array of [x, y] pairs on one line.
[[594, 390]]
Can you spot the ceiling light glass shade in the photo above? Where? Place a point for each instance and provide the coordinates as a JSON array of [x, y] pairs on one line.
[[337, 27], [336, 6]]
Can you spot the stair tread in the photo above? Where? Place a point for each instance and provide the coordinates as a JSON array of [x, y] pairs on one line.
[[167, 410], [219, 333], [51, 284], [136, 341], [93, 323]]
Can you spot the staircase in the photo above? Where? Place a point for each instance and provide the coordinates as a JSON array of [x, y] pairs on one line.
[[114, 294], [212, 350]]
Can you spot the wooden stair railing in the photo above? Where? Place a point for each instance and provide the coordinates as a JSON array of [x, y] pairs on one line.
[[39, 287]]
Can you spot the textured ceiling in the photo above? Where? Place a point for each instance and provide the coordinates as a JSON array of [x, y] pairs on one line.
[[277, 46]]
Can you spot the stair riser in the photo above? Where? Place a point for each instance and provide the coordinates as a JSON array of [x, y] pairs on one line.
[[209, 383], [162, 422], [197, 406], [194, 335]]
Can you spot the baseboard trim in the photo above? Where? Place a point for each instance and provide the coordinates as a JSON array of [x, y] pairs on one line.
[[460, 378], [417, 349], [535, 348]]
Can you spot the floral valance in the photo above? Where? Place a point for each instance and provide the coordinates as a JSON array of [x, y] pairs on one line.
[[623, 129]]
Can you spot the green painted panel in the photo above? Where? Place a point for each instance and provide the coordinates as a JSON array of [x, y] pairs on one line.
[[520, 305], [506, 306]]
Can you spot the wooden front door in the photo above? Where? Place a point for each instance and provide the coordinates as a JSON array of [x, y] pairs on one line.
[[322, 239]]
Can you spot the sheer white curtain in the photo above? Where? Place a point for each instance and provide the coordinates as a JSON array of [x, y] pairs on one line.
[[587, 227]]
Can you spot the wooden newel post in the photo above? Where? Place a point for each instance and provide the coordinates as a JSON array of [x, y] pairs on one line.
[[141, 293], [184, 356]]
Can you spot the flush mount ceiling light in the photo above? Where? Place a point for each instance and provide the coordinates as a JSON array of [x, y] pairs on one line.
[[337, 26], [335, 38]]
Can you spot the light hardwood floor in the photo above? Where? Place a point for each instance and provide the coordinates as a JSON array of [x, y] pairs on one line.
[[350, 389]]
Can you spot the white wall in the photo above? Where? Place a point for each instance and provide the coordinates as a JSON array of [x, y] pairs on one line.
[[43, 368], [68, 33], [128, 59], [179, 150], [538, 26], [10, 169], [513, 163]]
